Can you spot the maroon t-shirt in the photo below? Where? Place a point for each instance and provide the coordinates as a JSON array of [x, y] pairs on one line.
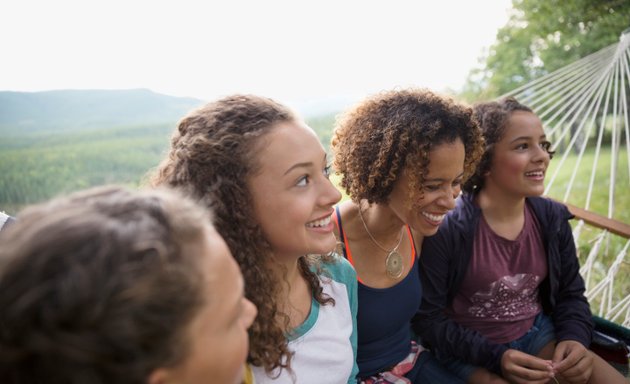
[[499, 294]]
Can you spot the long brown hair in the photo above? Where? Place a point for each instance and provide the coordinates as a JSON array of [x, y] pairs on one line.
[[213, 154]]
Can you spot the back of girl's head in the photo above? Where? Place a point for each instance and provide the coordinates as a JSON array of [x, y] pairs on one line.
[[97, 287], [376, 139], [493, 117], [213, 155]]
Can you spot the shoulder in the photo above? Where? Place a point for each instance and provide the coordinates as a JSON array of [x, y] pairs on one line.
[[549, 210], [338, 268]]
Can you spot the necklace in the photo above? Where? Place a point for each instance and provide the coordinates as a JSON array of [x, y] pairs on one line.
[[393, 262]]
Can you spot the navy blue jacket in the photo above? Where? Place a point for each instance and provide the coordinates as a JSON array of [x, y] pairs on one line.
[[445, 257]]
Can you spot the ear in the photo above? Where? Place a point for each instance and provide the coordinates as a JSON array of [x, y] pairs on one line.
[[159, 376]]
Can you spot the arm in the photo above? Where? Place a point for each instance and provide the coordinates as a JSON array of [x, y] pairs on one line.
[[438, 262], [571, 311]]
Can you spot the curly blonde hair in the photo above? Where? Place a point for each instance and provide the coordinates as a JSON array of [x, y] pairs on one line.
[[374, 141], [213, 154]]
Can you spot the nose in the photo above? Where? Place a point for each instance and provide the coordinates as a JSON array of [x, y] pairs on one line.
[[447, 200], [250, 312], [541, 155], [330, 194]]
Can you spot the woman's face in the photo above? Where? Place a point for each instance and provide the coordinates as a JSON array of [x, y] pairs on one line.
[[520, 158], [216, 338], [293, 198], [441, 186]]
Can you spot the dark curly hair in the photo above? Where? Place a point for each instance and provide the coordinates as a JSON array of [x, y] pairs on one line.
[[375, 140], [493, 117], [99, 287], [213, 154]]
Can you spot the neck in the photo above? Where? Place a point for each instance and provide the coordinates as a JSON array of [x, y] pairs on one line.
[[381, 223], [498, 205]]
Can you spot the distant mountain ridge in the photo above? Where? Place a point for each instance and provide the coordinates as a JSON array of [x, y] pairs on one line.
[[73, 110]]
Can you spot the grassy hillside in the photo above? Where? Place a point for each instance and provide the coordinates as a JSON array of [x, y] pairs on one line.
[[35, 166]]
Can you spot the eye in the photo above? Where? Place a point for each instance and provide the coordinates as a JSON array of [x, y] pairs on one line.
[[545, 145], [522, 146], [431, 187], [303, 181], [326, 171]]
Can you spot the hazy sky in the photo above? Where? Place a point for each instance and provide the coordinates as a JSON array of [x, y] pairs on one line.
[[294, 51]]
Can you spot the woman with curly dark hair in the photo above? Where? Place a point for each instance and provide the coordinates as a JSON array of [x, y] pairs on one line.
[[265, 176], [111, 285], [402, 156], [504, 300]]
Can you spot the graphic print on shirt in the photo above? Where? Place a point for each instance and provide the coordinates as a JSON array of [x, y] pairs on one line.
[[508, 298]]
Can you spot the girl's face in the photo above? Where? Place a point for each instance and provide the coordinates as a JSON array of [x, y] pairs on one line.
[[520, 157], [441, 186], [216, 337], [293, 198]]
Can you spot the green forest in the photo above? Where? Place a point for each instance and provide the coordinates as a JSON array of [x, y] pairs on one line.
[[40, 165]]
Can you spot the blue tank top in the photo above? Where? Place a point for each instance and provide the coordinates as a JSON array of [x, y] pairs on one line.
[[384, 316]]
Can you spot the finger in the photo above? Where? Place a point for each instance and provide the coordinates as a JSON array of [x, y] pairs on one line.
[[579, 372], [529, 374], [568, 361]]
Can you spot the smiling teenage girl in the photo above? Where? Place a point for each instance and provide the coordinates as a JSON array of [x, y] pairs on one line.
[[402, 156], [265, 175], [503, 293]]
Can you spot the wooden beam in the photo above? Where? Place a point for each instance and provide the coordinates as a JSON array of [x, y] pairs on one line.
[[599, 221]]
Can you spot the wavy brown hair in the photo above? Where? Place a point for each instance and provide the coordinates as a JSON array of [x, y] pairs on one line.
[[213, 154], [99, 287], [493, 117], [375, 140]]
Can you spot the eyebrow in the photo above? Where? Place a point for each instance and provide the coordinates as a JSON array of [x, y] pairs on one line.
[[302, 165], [439, 179], [526, 138]]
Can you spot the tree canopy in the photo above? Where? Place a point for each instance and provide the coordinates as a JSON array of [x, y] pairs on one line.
[[542, 36]]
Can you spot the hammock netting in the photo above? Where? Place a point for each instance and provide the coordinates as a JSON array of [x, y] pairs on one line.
[[584, 109]]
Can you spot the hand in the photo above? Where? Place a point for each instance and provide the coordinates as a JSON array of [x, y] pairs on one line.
[[573, 362], [519, 367]]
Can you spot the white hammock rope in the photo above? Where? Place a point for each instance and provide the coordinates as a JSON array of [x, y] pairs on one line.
[[584, 108]]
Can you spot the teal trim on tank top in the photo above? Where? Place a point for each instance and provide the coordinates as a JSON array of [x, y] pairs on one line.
[[306, 326]]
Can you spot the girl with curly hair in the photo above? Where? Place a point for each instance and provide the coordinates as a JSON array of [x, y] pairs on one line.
[[504, 299], [402, 156], [111, 285], [264, 174]]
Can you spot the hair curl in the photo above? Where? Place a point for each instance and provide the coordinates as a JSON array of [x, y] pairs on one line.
[[98, 287], [493, 117], [213, 154], [375, 140]]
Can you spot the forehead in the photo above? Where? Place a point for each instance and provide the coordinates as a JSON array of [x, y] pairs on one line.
[[289, 143], [446, 161], [523, 123]]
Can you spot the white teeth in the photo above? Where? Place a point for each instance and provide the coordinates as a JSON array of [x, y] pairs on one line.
[[535, 173], [319, 223], [433, 217]]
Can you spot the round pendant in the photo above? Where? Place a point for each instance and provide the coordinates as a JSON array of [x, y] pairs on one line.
[[394, 265]]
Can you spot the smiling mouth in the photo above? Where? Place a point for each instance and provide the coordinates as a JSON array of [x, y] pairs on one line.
[[433, 217], [319, 223], [535, 174]]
